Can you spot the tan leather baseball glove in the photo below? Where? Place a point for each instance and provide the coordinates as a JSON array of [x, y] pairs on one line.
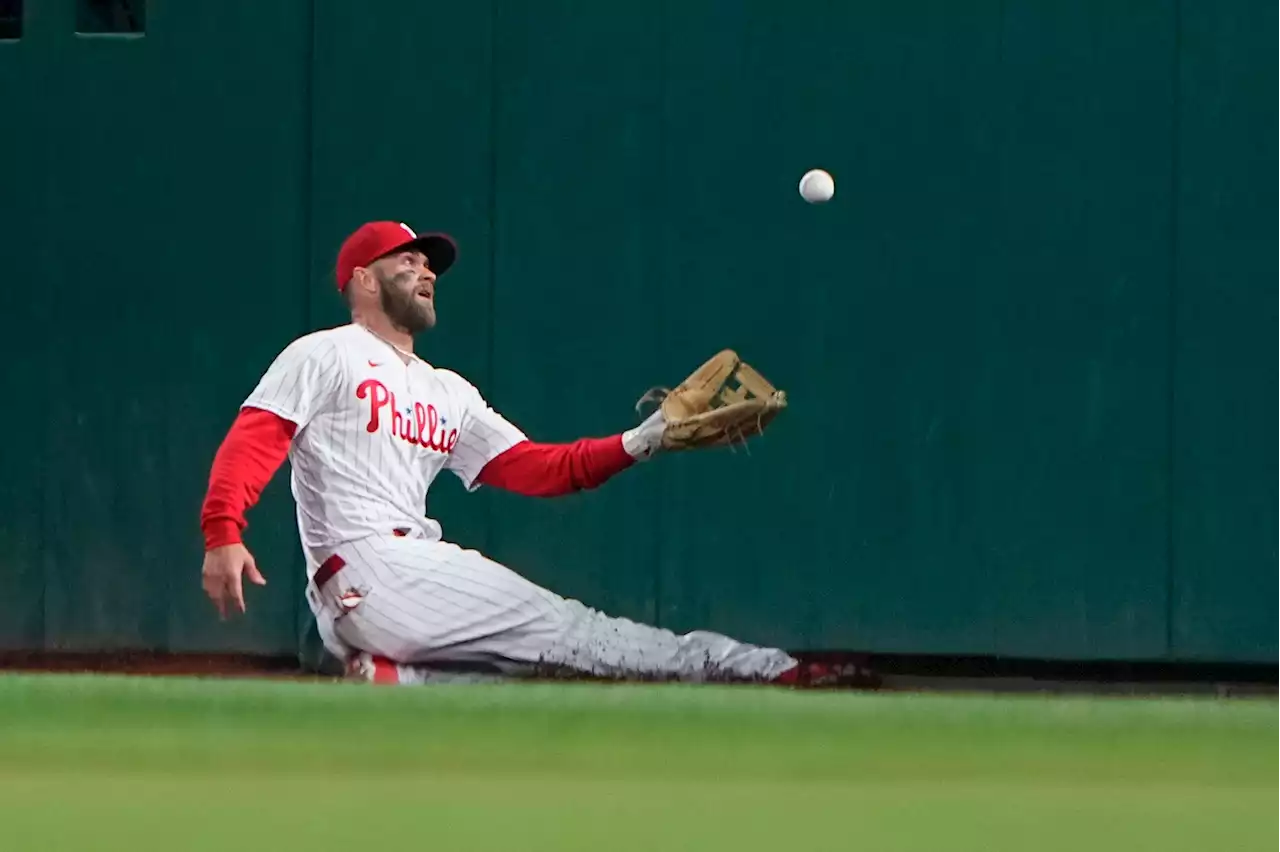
[[722, 403]]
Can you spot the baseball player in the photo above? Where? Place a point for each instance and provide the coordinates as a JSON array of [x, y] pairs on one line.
[[367, 427]]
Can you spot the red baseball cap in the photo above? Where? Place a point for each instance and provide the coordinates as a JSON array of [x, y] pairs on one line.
[[373, 240]]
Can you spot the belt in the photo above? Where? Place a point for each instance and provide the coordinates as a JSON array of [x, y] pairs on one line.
[[330, 567]]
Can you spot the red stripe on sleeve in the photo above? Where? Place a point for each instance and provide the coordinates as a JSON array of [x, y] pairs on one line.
[[551, 470], [253, 450]]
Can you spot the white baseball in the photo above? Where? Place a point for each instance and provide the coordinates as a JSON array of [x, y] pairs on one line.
[[817, 186]]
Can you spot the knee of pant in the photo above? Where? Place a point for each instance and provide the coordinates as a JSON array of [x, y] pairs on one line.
[[349, 632]]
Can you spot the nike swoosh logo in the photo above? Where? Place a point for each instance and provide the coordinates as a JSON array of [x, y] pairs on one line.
[[375, 363]]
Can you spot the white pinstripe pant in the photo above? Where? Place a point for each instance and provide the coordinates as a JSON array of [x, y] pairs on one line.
[[432, 603]]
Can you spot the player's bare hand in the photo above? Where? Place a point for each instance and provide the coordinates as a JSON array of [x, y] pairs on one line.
[[223, 568]]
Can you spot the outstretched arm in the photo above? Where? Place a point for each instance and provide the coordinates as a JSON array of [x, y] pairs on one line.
[[551, 470]]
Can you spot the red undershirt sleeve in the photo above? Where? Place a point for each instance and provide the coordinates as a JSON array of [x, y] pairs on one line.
[[551, 470], [253, 450]]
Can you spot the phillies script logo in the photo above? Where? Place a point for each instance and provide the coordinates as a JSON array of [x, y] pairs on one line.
[[423, 429]]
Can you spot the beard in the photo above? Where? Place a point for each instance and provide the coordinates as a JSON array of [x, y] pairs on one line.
[[399, 301]]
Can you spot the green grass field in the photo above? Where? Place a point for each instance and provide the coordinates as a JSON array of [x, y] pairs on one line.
[[99, 762]]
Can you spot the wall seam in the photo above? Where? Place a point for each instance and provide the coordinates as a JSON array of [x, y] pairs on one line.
[[309, 275], [491, 369], [663, 338], [1172, 354]]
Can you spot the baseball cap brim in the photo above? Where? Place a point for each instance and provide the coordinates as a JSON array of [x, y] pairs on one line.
[[440, 249]]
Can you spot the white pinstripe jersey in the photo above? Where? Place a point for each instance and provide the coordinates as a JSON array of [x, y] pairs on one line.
[[373, 433]]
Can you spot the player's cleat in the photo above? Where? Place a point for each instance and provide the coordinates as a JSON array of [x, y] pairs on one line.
[[371, 668], [818, 675]]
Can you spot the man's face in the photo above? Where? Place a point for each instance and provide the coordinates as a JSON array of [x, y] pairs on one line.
[[407, 291]]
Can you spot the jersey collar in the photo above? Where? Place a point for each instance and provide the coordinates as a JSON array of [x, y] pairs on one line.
[[412, 356]]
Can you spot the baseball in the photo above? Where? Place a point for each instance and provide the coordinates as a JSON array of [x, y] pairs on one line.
[[817, 186]]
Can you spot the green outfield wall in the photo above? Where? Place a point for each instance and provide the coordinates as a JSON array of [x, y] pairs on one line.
[[1027, 344]]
